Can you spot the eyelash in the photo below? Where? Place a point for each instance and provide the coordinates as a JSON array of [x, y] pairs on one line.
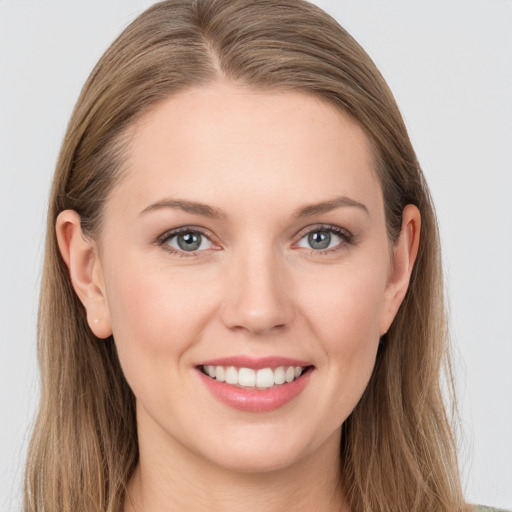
[[346, 239], [164, 239]]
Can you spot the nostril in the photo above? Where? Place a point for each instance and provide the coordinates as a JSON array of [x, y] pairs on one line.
[[257, 321]]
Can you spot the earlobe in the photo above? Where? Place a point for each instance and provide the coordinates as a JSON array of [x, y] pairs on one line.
[[405, 251], [85, 271]]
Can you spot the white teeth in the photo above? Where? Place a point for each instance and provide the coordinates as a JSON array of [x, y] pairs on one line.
[[247, 377], [264, 378], [220, 374], [231, 375], [279, 375]]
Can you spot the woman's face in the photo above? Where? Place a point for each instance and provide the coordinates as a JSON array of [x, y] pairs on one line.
[[246, 236]]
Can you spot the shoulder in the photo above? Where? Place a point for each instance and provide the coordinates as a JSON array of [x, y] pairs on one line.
[[489, 509]]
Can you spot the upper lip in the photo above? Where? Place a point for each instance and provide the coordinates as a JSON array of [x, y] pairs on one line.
[[256, 363]]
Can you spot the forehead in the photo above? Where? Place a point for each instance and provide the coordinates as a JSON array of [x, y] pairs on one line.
[[225, 142]]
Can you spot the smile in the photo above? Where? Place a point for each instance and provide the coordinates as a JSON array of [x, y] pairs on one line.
[[255, 385], [264, 378]]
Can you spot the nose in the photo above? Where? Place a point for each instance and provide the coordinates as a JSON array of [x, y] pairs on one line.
[[258, 294]]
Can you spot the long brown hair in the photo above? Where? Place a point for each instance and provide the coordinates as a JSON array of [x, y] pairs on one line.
[[398, 452]]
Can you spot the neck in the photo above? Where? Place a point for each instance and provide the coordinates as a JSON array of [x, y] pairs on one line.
[[180, 480]]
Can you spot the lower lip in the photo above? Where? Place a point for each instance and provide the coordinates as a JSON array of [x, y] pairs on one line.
[[253, 400]]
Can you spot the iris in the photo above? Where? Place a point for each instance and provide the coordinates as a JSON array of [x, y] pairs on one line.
[[319, 239], [189, 241]]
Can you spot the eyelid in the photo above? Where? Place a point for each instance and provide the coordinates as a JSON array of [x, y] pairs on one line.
[[170, 233], [324, 227], [346, 236]]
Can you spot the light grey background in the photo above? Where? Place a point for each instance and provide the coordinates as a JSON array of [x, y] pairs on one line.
[[449, 63]]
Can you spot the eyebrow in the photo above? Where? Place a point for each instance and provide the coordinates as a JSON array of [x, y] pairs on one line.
[[186, 206], [215, 213], [327, 206]]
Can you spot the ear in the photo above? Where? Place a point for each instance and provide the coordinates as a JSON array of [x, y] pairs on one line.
[[85, 271], [405, 251]]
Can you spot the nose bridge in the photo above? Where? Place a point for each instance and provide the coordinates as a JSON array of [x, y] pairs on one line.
[[256, 296]]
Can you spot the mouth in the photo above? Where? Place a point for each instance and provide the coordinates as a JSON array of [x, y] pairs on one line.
[[255, 379], [255, 384]]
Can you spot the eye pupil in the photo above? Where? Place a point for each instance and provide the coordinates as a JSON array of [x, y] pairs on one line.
[[319, 239], [189, 241]]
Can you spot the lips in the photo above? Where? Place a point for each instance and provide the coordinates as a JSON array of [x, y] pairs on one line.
[[255, 385]]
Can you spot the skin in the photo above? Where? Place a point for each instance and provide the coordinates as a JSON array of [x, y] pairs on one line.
[[255, 287]]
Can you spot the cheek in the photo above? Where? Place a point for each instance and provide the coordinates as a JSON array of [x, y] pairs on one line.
[[343, 315], [157, 315], [345, 306], [156, 299]]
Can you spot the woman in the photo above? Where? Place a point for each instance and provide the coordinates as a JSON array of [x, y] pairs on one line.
[[242, 295]]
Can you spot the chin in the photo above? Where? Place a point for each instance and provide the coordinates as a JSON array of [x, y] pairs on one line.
[[264, 452], [244, 461]]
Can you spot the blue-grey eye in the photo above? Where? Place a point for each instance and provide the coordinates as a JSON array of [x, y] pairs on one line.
[[189, 241], [320, 239]]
